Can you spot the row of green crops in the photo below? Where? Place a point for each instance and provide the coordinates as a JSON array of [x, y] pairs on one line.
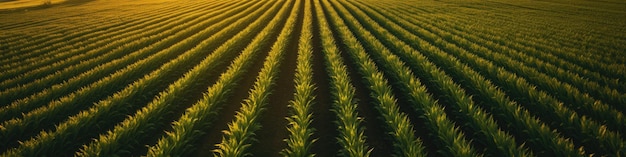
[[300, 130], [351, 136], [400, 127], [400, 78]]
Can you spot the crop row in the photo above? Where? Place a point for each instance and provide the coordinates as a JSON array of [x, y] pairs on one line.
[[300, 131]]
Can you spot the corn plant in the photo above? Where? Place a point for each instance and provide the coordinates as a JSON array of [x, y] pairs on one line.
[[351, 136], [299, 141]]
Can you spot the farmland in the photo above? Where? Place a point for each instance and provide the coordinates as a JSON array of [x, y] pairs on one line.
[[314, 77]]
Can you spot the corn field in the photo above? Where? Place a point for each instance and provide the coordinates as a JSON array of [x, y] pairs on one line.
[[309, 78]]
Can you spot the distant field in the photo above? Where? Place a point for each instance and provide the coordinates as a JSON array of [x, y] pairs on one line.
[[15, 4], [325, 77]]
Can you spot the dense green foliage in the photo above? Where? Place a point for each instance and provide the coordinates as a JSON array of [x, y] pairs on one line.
[[390, 78]]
